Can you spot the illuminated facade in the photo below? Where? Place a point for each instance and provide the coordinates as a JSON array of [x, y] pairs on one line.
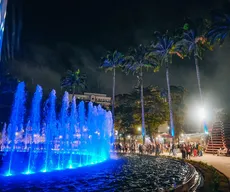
[[101, 99]]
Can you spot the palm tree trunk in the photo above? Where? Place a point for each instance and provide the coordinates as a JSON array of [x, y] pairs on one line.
[[142, 107], [73, 94], [113, 100], [170, 102], [200, 91], [198, 78], [8, 43]]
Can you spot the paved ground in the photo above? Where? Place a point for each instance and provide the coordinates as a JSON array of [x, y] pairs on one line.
[[222, 163]]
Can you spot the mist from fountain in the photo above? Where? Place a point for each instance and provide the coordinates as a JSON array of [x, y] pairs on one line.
[[80, 136], [4, 137]]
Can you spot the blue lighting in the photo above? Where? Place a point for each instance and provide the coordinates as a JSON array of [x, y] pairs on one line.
[[77, 136], [205, 128], [3, 8]]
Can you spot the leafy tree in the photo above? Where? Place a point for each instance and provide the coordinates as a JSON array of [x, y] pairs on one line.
[[178, 94], [156, 111], [74, 81], [135, 62], [110, 62], [193, 44], [162, 49], [124, 117], [128, 112]]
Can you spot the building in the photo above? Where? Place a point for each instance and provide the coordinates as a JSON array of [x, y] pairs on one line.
[[101, 99]]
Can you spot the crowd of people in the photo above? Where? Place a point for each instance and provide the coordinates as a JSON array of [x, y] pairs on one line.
[[187, 149]]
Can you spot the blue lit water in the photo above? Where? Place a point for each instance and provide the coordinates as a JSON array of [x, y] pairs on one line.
[[125, 173], [47, 140]]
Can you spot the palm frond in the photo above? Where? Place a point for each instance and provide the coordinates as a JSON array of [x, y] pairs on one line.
[[111, 60], [74, 79], [137, 58], [220, 28]]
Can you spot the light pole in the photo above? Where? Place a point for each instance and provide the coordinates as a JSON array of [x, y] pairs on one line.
[[202, 115]]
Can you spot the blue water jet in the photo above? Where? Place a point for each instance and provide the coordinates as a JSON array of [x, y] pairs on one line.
[[80, 136], [35, 124], [16, 119], [50, 115], [63, 120]]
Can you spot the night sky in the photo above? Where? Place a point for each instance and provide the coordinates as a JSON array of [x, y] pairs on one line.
[[59, 35]]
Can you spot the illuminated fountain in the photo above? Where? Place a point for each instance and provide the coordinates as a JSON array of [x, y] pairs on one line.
[[78, 136]]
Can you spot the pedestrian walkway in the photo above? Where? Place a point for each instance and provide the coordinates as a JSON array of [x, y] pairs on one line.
[[221, 163]]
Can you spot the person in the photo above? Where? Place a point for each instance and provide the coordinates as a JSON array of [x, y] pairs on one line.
[[174, 149], [222, 151], [188, 150], [194, 152], [183, 151]]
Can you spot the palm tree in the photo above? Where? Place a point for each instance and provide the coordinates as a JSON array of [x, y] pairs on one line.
[[162, 49], [110, 62], [220, 28], [74, 80], [135, 61], [193, 44]]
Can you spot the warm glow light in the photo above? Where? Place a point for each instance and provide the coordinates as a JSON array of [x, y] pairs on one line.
[[139, 128]]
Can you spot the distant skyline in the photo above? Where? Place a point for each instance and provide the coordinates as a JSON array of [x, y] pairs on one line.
[[57, 36]]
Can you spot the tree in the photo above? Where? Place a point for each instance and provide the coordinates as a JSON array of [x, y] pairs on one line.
[[193, 43], [136, 61], [161, 51], [156, 111], [220, 28], [110, 62], [74, 80], [178, 94], [124, 117]]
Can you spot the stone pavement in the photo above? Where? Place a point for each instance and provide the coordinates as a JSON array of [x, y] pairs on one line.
[[222, 163]]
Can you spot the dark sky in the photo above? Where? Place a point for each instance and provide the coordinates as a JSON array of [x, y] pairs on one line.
[[59, 35]]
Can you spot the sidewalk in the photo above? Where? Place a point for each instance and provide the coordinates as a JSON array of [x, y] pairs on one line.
[[222, 163]]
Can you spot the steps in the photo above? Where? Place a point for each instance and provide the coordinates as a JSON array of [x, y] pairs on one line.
[[220, 137], [216, 139]]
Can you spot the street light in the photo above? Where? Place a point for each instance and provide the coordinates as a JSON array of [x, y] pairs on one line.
[[201, 113], [139, 128]]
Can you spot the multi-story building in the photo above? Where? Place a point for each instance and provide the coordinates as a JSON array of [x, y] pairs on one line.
[[101, 99]]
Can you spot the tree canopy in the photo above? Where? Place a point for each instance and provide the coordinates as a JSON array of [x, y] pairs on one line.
[[128, 111]]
